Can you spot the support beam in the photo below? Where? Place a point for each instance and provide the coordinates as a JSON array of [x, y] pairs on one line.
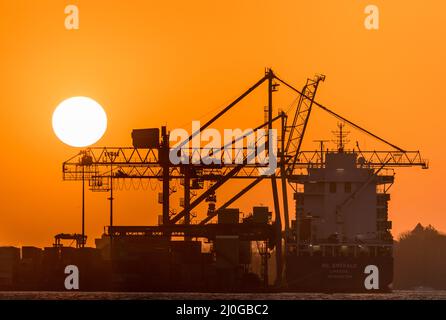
[[187, 198], [284, 180], [164, 161], [278, 221], [186, 195]]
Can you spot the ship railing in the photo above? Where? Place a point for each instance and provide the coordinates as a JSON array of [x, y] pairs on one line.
[[341, 249]]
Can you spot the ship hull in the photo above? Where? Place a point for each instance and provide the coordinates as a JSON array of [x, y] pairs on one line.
[[336, 274]]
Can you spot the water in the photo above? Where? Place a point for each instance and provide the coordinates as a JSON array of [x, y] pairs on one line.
[[396, 295]]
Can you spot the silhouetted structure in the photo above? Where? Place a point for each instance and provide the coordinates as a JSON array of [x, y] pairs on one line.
[[358, 214], [420, 259], [331, 228]]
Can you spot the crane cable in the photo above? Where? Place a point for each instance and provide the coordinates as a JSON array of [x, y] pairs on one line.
[[339, 116]]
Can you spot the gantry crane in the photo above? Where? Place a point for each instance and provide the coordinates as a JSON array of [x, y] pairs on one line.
[[101, 165]]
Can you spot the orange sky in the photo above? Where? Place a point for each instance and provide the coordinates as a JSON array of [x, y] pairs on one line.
[[151, 63]]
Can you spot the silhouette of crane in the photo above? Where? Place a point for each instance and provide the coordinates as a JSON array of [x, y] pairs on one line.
[[154, 163]]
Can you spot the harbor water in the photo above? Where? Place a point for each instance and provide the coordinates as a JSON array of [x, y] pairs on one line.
[[395, 295]]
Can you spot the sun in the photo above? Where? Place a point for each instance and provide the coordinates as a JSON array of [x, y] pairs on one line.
[[79, 121]]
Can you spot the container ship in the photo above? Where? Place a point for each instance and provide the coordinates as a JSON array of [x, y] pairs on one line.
[[341, 234], [337, 240]]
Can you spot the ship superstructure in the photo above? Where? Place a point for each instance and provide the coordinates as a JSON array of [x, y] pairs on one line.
[[341, 224]]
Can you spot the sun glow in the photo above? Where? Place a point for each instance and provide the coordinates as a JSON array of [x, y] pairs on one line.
[[79, 121]]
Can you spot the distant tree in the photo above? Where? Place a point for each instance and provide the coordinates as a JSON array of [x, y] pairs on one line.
[[420, 259], [420, 233]]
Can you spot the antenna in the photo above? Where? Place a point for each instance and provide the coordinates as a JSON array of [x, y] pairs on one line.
[[341, 137], [321, 146]]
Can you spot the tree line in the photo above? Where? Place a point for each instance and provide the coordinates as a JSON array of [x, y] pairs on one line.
[[420, 259]]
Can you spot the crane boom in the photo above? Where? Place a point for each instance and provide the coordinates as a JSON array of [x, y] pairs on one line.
[[300, 120]]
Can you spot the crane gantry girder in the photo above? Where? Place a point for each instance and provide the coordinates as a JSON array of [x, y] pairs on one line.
[[371, 159], [132, 163]]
